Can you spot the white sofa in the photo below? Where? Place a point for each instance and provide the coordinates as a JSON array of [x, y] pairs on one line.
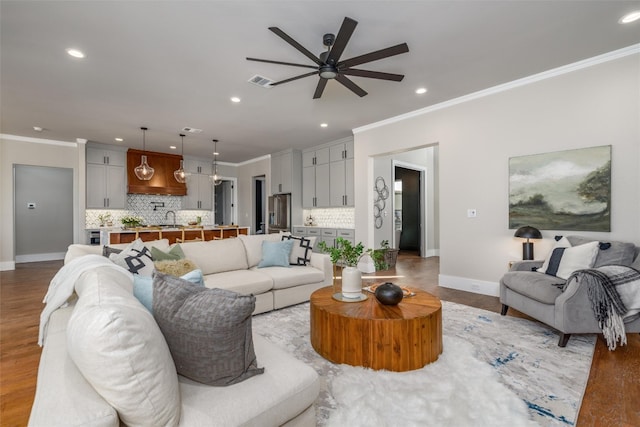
[[232, 264], [282, 395]]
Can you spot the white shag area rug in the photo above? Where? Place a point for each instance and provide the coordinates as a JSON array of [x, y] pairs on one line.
[[494, 371]]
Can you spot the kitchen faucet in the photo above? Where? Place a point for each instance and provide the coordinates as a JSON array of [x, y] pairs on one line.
[[174, 217]]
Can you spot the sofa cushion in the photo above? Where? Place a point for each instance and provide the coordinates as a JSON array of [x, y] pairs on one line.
[[611, 253], [253, 246], [541, 287], [116, 344], [301, 250], [174, 253], [244, 282], [287, 387], [208, 330], [295, 276], [216, 256], [136, 258], [143, 287], [275, 253]]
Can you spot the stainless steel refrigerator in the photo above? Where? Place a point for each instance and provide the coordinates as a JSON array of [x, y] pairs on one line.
[[279, 213]]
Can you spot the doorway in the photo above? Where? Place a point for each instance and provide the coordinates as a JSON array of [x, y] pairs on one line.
[[43, 212], [408, 204], [225, 209], [259, 203]]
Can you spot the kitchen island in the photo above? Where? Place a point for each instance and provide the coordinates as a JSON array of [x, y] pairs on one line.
[[212, 232]]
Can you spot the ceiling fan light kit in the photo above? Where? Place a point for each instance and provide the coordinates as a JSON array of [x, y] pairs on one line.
[[328, 65], [143, 171]]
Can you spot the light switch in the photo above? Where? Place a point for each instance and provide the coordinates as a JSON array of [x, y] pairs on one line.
[[31, 205]]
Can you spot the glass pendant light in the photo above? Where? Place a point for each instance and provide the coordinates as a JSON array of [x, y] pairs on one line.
[[180, 175], [144, 172], [215, 178]]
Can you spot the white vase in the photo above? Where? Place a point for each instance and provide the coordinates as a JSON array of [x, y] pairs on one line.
[[351, 282]]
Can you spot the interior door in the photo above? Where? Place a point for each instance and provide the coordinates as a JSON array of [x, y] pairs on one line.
[[411, 213], [43, 212]]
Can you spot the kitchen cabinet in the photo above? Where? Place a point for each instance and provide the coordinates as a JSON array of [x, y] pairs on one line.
[[328, 176], [162, 181], [106, 186], [315, 178], [286, 171], [199, 185], [327, 235]]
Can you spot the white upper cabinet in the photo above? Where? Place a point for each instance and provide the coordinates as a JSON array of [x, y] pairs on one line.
[[106, 179]]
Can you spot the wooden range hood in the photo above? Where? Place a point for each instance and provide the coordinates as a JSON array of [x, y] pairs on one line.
[[162, 182]]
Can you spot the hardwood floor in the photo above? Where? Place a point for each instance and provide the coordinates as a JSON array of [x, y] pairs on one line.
[[611, 397]]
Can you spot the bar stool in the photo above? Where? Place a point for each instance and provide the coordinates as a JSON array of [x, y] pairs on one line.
[[193, 228], [149, 229]]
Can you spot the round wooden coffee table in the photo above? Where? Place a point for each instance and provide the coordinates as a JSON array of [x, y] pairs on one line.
[[403, 337]]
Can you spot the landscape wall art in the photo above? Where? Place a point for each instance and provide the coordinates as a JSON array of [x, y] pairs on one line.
[[562, 190]]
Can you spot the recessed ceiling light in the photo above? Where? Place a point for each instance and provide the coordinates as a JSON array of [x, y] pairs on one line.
[[37, 128], [235, 99], [75, 53], [173, 147], [421, 90], [630, 17], [323, 125], [119, 139]]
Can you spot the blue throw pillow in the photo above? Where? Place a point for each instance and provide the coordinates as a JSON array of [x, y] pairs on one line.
[[276, 254], [143, 287]]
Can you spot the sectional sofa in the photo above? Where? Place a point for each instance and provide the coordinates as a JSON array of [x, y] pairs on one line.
[[124, 374]]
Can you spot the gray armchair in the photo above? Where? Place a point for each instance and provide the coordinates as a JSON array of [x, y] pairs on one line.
[[569, 311]]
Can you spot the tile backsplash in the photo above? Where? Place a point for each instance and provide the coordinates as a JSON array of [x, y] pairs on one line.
[[143, 205], [331, 217]]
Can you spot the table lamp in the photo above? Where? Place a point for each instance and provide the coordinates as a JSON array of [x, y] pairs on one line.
[[528, 232]]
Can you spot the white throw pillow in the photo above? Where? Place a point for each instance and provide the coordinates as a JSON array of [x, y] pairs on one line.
[[564, 261], [562, 243], [136, 258], [301, 250], [119, 349]]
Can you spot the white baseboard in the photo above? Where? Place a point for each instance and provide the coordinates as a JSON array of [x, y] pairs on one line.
[[51, 256], [469, 285], [432, 252], [7, 265]]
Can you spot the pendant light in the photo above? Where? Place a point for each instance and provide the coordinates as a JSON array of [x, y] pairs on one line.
[[144, 172], [180, 175], [215, 178]]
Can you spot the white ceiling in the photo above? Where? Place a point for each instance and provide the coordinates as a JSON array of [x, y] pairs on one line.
[[171, 64]]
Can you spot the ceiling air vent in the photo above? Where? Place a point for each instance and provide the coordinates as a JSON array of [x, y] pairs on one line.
[[191, 130], [261, 81]]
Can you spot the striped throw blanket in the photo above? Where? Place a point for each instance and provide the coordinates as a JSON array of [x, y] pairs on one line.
[[614, 292]]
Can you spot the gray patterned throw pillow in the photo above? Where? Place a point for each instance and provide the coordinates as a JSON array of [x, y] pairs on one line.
[[208, 330]]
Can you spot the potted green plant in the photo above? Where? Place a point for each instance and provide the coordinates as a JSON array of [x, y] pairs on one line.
[[131, 221], [379, 256], [346, 255]]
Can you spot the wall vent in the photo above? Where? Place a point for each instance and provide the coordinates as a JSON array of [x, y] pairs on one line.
[[191, 130], [260, 81]]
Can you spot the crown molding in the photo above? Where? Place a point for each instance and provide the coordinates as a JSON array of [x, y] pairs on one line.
[[565, 69], [39, 140]]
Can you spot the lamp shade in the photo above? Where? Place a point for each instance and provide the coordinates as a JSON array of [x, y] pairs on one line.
[[528, 232]]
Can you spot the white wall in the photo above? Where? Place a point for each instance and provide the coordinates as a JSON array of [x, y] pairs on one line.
[[597, 105], [28, 151]]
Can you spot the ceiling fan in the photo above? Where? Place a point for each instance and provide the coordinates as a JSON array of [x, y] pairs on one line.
[[328, 65]]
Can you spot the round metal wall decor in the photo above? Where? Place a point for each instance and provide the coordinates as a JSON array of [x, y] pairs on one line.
[[381, 193]]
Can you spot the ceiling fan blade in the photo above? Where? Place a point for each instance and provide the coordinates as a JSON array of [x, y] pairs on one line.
[[351, 85], [283, 63], [295, 44], [346, 30], [374, 56], [320, 88], [294, 78], [372, 74]]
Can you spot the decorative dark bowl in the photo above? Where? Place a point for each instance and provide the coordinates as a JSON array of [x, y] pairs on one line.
[[389, 294]]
